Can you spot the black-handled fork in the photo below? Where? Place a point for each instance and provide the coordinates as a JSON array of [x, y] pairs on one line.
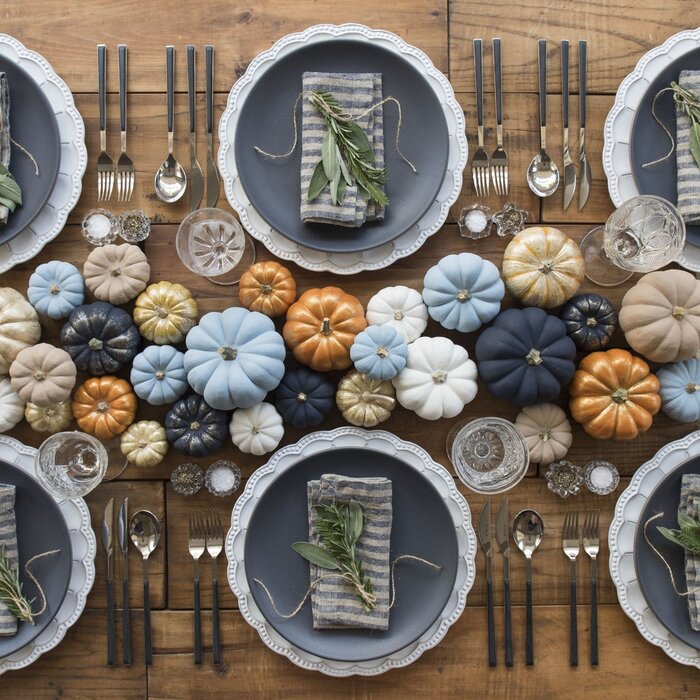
[[215, 543], [197, 546], [591, 545], [571, 546]]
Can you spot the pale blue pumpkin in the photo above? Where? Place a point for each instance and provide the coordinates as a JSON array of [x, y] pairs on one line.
[[380, 352], [680, 390], [158, 375], [462, 292], [234, 358], [56, 288]]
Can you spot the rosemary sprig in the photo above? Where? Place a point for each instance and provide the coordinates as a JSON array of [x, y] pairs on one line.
[[339, 526], [690, 104], [11, 591], [688, 534]]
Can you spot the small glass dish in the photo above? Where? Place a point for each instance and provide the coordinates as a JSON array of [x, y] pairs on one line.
[[601, 477], [187, 479], [100, 227], [475, 222], [222, 478], [489, 454], [564, 478], [134, 226]]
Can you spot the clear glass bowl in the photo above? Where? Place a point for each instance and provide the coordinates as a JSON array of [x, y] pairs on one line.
[[222, 478], [134, 226], [601, 477], [100, 227], [564, 478]]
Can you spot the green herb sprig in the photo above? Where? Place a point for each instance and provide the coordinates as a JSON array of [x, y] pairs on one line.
[[688, 534], [10, 192], [339, 526], [690, 104], [11, 591]]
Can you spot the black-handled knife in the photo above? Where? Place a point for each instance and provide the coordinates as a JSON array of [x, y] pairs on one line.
[[123, 534], [503, 539], [107, 523], [484, 532]]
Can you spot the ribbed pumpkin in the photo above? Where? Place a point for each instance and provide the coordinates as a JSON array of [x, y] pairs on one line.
[[158, 375], [144, 443], [165, 312], [11, 406], [19, 326], [546, 430], [116, 273], [363, 401], [49, 419], [43, 374], [56, 288], [194, 428], [400, 307], [267, 287], [380, 352], [590, 320], [304, 397], [680, 390], [104, 406]]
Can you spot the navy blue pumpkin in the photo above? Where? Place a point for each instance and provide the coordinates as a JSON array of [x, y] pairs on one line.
[[526, 356], [590, 321], [304, 397], [194, 428]]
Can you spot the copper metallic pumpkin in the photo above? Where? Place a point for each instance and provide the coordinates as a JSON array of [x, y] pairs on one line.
[[267, 287], [104, 406]]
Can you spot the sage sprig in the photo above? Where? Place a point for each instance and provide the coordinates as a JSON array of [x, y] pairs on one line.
[[688, 534], [690, 104], [10, 192], [11, 591]]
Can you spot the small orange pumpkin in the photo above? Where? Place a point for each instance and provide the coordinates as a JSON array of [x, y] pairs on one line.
[[614, 395], [104, 406], [322, 325], [267, 287]]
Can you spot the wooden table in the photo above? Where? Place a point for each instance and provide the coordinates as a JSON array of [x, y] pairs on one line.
[[618, 33]]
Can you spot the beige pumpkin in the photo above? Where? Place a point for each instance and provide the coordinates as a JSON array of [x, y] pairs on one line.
[[660, 316], [19, 326], [49, 419], [546, 430], [363, 401], [144, 443], [116, 273], [43, 374], [542, 267], [165, 312]]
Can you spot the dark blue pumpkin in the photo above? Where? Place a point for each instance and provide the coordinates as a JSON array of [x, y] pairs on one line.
[[526, 356], [590, 321], [194, 428], [304, 398]]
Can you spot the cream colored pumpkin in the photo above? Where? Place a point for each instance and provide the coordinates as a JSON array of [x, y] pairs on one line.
[[256, 430], [363, 401], [660, 316], [19, 326], [546, 430], [144, 443], [542, 267], [43, 374], [11, 406], [116, 273], [49, 419]]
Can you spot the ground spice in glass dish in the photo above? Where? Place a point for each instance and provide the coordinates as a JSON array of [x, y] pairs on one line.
[[100, 227], [187, 479], [222, 478], [564, 478], [134, 226]]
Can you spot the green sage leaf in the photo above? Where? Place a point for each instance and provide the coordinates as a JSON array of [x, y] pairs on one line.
[[359, 139], [335, 182], [341, 190], [695, 141], [318, 182], [357, 521], [344, 168], [328, 155], [316, 555]]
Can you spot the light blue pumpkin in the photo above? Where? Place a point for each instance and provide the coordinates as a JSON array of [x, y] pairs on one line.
[[234, 358], [158, 375], [680, 390], [380, 352], [462, 292], [56, 288]]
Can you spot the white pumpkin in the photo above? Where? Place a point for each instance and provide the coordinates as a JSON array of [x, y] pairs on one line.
[[439, 379], [257, 430], [11, 406], [546, 430], [144, 443], [400, 307], [19, 326]]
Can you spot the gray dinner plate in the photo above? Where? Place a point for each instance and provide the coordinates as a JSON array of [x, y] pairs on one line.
[[32, 125], [273, 186], [654, 579], [40, 528], [649, 141], [422, 526]]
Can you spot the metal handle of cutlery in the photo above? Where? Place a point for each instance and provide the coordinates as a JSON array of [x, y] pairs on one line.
[[573, 640], [529, 637], [170, 85], [582, 84], [508, 623], [491, 624], [122, 87], [542, 67], [111, 656], [479, 80], [216, 640], [101, 84], [126, 623], [191, 94], [147, 644], [565, 84], [497, 71], [197, 625], [209, 60], [594, 618]]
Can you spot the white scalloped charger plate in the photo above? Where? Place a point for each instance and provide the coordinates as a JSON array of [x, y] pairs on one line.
[[82, 576], [64, 196], [414, 457], [621, 537], [617, 159], [374, 258]]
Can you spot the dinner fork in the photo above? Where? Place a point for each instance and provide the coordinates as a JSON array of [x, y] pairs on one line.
[[105, 164], [125, 166], [499, 158], [571, 546], [215, 543], [480, 160], [591, 545], [197, 545]]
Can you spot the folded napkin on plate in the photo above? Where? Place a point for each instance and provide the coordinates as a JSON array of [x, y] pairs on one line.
[[688, 173], [8, 541], [5, 143], [689, 504], [356, 93], [333, 602]]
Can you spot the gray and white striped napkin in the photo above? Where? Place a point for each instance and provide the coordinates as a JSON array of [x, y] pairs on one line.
[[334, 604], [689, 503], [8, 541], [5, 143], [356, 93], [688, 173]]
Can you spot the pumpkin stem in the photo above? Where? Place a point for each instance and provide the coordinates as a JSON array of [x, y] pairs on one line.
[[545, 435], [115, 271], [534, 357], [692, 388], [255, 430], [619, 395], [161, 312], [143, 444], [439, 377], [380, 399], [194, 425], [382, 352], [266, 289], [546, 267], [302, 397], [463, 295], [326, 326], [160, 374], [102, 406], [228, 353], [679, 313], [39, 375], [95, 344], [54, 288], [398, 315], [590, 321]]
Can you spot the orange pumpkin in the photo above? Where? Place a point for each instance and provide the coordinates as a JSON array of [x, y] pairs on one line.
[[267, 287], [614, 395], [322, 325], [104, 406]]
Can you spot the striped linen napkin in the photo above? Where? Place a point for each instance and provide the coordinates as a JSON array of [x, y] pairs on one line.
[[688, 173], [8, 540], [356, 93], [334, 604], [5, 143], [690, 501]]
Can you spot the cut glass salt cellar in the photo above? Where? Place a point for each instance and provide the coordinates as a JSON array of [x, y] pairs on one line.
[[222, 478], [475, 222], [564, 478], [510, 220], [187, 479], [601, 477]]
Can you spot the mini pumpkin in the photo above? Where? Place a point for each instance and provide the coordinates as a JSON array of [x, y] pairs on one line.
[[380, 352], [614, 395], [144, 443], [11, 406], [56, 288], [680, 390], [43, 374], [19, 326], [660, 316], [158, 375], [542, 267], [590, 320], [546, 430], [256, 430], [116, 273], [194, 428], [104, 406], [400, 307], [165, 312], [267, 287], [322, 325], [49, 419], [304, 397], [363, 401]]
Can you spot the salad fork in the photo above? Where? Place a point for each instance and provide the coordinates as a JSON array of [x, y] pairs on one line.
[[125, 166], [571, 546], [215, 543], [499, 158], [591, 545], [480, 160], [105, 164], [197, 545]]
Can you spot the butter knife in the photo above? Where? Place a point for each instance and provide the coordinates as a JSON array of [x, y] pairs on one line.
[[123, 534], [196, 175], [484, 531], [569, 167], [107, 522], [585, 168], [212, 170], [502, 537]]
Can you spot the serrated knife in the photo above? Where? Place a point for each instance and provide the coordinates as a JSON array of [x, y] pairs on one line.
[[484, 532], [585, 169], [212, 170], [569, 166], [503, 539], [123, 535], [107, 523]]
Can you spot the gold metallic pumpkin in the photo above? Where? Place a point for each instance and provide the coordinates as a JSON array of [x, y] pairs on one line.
[[363, 401], [144, 443], [165, 312], [49, 419]]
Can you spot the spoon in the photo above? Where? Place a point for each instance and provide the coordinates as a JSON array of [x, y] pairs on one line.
[[542, 173], [171, 181], [528, 529], [144, 530]]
